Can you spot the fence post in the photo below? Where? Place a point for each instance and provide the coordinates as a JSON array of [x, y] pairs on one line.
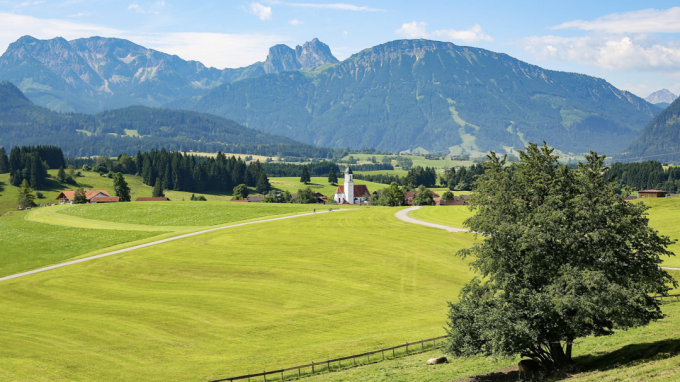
[[329, 365], [265, 376], [354, 361], [393, 356], [422, 346], [407, 348], [312, 367], [299, 374], [383, 354], [282, 375]]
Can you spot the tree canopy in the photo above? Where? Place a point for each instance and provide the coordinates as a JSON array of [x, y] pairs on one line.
[[561, 256]]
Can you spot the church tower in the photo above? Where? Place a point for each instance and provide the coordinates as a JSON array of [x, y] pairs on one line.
[[349, 185]]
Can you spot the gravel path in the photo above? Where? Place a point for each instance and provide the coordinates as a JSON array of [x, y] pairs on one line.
[[403, 215], [153, 243]]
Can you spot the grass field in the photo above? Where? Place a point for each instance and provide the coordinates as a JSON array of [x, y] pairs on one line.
[[234, 301], [182, 213], [452, 216], [417, 161]]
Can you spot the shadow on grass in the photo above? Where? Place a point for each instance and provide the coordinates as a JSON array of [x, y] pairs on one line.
[[629, 355]]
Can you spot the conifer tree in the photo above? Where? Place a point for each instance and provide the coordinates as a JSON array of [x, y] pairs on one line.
[[333, 177], [121, 188], [61, 175], [263, 185], [26, 197], [305, 175], [158, 189], [4, 161]]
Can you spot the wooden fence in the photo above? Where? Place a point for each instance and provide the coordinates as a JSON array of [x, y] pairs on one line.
[[337, 363], [670, 297]]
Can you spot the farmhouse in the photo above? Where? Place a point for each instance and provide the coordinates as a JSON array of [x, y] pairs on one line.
[[66, 197], [351, 193], [652, 194]]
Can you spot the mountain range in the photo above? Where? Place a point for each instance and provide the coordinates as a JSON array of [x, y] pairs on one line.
[[661, 98], [94, 74], [134, 128], [659, 140], [405, 94]]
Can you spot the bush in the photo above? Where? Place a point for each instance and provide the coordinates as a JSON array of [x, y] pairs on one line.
[[39, 195]]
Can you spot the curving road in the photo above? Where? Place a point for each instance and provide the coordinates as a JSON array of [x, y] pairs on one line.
[[154, 243], [403, 215]]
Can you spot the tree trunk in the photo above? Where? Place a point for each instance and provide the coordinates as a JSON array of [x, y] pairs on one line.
[[560, 359]]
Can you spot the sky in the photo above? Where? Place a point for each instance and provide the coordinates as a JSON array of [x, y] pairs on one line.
[[635, 45]]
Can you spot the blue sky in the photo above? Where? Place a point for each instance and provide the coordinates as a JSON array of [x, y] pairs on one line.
[[635, 45]]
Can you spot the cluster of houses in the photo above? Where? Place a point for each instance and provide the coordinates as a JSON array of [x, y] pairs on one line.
[[99, 196]]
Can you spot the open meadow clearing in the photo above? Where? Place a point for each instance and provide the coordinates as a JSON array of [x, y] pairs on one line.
[[319, 184], [417, 160], [234, 301]]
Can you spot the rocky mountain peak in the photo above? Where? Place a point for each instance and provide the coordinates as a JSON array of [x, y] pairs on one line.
[[310, 55], [661, 96]]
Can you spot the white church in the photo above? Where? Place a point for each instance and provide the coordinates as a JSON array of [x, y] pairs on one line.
[[351, 193]]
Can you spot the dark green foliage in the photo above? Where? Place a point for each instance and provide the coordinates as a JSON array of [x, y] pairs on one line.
[[199, 198], [658, 139], [121, 187], [404, 94], [462, 179], [423, 197], [31, 163], [380, 178], [448, 195], [158, 189], [392, 196], [4, 161], [306, 196], [61, 175], [562, 256], [240, 192], [262, 186], [26, 198], [79, 197], [404, 163], [645, 176], [81, 135], [422, 176], [332, 177], [304, 178]]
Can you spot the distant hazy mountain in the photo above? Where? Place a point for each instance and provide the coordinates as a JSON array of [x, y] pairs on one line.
[[660, 139], [93, 74], [134, 128], [439, 96], [661, 98]]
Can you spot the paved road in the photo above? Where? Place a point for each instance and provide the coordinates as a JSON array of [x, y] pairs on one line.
[[403, 215], [153, 243]]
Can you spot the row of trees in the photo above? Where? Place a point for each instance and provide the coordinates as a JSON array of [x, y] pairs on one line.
[[30, 163], [645, 175], [463, 179]]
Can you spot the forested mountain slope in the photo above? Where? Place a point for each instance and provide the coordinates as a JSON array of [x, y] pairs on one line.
[[96, 73], [418, 93], [660, 139], [134, 128]]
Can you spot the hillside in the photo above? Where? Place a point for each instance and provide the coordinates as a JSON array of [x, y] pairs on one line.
[[134, 128], [94, 74], [439, 96], [661, 97], [659, 140]]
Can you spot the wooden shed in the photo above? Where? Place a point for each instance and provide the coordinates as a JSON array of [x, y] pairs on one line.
[[652, 194]]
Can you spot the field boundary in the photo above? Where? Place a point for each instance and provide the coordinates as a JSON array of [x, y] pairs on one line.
[[72, 262], [331, 362], [403, 215]]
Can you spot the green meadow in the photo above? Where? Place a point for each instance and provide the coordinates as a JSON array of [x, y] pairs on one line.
[[319, 184], [417, 160]]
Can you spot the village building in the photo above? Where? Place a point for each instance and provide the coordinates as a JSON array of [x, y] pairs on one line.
[[67, 197], [652, 194], [351, 193]]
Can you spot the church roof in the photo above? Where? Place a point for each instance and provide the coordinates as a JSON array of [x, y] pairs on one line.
[[349, 170], [359, 190]]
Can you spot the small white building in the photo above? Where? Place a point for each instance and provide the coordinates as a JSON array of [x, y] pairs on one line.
[[350, 193]]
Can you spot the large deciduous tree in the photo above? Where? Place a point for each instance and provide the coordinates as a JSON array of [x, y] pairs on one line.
[[562, 256]]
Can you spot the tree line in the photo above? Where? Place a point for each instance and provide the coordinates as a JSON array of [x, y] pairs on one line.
[[645, 175], [30, 163]]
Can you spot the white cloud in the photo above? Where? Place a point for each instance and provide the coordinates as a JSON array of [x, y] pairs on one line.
[[134, 7], [469, 35], [80, 14], [643, 21], [212, 49], [417, 29], [155, 8], [334, 6], [345, 33], [259, 10], [608, 52], [413, 30], [295, 22]]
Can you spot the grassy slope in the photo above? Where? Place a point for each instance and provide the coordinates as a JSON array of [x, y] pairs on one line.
[[452, 216], [649, 353], [417, 161], [234, 301]]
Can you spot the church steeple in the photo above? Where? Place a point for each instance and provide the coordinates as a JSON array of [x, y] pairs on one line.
[[349, 185], [348, 170]]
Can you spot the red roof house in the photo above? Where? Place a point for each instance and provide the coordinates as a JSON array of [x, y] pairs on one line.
[[105, 199], [66, 197]]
